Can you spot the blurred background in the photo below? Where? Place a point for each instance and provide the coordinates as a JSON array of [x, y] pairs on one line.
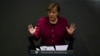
[[17, 14]]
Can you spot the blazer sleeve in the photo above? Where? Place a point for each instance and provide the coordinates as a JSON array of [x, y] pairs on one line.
[[68, 36], [37, 33]]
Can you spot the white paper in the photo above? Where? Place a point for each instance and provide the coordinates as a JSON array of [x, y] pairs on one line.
[[61, 47], [47, 48], [37, 49]]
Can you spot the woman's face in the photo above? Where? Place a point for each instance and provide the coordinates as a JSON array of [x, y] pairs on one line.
[[53, 14]]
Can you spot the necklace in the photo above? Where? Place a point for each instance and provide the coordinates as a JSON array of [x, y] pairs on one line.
[[54, 22]]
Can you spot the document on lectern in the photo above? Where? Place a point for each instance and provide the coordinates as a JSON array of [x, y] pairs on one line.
[[61, 47], [51, 48], [47, 48]]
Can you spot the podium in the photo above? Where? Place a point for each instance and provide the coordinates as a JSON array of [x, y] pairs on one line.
[[33, 52], [52, 53]]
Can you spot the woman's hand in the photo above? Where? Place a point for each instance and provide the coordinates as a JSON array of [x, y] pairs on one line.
[[31, 29], [71, 28]]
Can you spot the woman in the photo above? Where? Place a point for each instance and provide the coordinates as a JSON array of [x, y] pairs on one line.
[[52, 29]]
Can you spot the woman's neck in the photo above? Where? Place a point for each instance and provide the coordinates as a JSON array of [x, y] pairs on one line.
[[53, 21]]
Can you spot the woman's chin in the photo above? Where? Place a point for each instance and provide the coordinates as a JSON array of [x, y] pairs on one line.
[[52, 19]]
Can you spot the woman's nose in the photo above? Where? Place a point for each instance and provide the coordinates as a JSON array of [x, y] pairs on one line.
[[51, 13]]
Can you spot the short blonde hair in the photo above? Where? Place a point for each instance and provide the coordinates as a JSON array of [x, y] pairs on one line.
[[52, 5]]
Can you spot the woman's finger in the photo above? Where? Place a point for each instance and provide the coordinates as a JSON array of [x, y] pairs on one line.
[[30, 26]]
